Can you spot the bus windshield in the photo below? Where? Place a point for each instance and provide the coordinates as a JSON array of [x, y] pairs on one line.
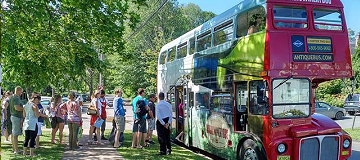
[[291, 98]]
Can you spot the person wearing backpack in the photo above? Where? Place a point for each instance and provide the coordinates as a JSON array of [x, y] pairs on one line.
[[119, 116], [140, 108]]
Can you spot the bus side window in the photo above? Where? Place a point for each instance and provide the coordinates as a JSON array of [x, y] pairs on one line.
[[182, 51], [223, 33], [192, 46], [256, 108], [251, 22], [204, 41], [171, 54]]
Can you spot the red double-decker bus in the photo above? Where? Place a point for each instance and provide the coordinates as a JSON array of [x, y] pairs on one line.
[[248, 78]]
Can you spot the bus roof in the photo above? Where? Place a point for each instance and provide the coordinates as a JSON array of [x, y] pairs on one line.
[[239, 8]]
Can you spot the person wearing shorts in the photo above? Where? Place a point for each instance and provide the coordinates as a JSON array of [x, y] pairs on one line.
[[139, 126], [16, 111], [151, 119], [57, 122], [95, 102], [119, 116]]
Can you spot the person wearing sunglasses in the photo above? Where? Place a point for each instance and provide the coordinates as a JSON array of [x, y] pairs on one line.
[[31, 114]]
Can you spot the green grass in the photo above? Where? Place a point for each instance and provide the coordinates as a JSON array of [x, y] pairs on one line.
[[355, 134], [177, 153], [47, 152]]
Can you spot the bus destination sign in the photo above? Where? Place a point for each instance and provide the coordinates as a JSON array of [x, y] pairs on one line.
[[314, 1], [319, 45], [312, 57]]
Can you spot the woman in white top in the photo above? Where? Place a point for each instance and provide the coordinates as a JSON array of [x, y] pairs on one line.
[[31, 114], [95, 102]]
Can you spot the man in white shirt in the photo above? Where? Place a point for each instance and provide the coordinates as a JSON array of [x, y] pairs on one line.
[[163, 112]]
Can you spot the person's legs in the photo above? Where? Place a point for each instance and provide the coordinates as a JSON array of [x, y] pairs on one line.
[[151, 128], [26, 141], [70, 125], [74, 129], [16, 131], [117, 131], [37, 140], [98, 137], [103, 126], [33, 135], [61, 131], [160, 131], [6, 135], [91, 131], [53, 133], [135, 134], [133, 145], [167, 140]]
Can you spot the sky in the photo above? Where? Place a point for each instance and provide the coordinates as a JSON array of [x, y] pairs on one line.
[[351, 8]]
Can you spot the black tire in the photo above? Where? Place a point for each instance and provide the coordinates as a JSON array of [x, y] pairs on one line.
[[351, 113], [249, 150], [339, 115]]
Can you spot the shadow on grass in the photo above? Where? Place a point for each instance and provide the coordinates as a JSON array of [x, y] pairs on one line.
[[150, 152], [47, 151]]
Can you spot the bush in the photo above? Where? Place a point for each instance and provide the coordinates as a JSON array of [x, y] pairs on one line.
[[334, 100]]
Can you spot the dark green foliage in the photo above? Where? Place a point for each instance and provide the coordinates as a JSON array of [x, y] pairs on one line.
[[48, 42]]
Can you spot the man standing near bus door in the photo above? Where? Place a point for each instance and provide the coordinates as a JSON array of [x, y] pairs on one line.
[[151, 119], [164, 116]]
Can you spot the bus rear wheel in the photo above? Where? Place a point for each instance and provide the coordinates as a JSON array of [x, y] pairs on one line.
[[249, 151]]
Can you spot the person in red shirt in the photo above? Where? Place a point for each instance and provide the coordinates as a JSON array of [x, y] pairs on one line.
[[104, 102]]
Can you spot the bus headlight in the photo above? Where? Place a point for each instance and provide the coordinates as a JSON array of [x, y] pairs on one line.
[[346, 143], [281, 148]]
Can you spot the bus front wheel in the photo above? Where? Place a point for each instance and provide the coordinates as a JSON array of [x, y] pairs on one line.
[[249, 151]]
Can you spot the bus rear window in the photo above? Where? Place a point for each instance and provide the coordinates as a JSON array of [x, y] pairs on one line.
[[290, 17], [326, 19]]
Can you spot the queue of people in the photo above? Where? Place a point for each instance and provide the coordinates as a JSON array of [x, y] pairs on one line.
[[19, 117], [27, 118]]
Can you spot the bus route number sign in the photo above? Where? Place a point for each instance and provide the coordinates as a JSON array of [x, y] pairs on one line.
[[319, 45]]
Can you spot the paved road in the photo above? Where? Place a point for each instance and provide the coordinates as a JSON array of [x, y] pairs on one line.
[[348, 121]]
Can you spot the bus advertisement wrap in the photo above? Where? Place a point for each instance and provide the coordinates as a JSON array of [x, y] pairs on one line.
[[217, 131], [312, 57]]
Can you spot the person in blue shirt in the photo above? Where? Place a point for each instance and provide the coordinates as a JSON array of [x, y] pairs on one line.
[[119, 116], [139, 126], [40, 122]]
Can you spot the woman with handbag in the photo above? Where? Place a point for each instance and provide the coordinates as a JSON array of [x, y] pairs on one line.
[[58, 119], [94, 111]]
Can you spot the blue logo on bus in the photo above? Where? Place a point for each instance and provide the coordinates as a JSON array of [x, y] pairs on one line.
[[297, 43]]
